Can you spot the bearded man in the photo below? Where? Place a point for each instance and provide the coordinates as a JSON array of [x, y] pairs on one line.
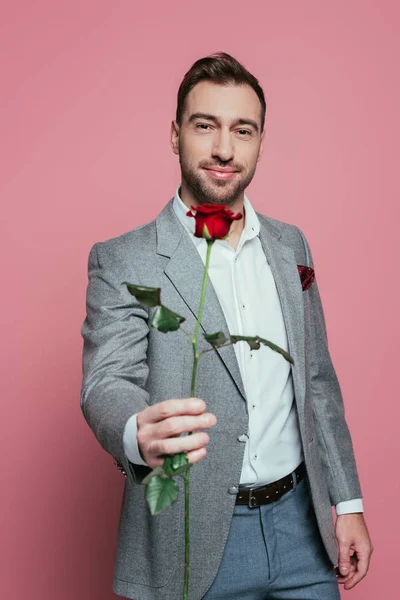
[[270, 440]]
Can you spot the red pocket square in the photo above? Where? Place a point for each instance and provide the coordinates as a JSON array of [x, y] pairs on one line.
[[307, 276]]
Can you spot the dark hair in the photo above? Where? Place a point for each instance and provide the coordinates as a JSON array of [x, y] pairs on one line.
[[219, 68]]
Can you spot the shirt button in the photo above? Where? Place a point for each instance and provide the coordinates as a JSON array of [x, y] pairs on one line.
[[243, 437], [253, 406], [233, 490]]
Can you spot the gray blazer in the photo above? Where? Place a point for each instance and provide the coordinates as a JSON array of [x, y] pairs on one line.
[[128, 365]]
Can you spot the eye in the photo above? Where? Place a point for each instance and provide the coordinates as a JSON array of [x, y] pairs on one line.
[[202, 126], [244, 132]]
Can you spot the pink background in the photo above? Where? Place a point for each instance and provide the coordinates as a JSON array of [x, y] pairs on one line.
[[88, 93]]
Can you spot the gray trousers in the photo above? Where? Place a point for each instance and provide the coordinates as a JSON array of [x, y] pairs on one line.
[[275, 552]]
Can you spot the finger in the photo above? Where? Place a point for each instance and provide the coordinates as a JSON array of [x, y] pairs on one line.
[[353, 568], [353, 581], [362, 568], [344, 563], [174, 426], [178, 444], [196, 455], [173, 407], [343, 579], [344, 556]]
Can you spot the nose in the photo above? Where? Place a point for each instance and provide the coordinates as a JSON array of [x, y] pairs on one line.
[[222, 147]]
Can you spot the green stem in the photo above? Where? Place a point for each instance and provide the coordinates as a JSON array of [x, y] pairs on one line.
[[187, 544], [215, 348], [202, 298], [194, 371]]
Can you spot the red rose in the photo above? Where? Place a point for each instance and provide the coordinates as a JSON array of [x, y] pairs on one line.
[[213, 221]]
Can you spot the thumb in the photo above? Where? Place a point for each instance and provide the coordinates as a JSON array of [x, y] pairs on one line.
[[344, 559]]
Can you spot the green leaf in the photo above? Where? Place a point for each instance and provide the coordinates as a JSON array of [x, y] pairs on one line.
[[206, 233], [156, 471], [255, 341], [161, 493], [166, 320], [176, 464], [215, 339], [148, 296]]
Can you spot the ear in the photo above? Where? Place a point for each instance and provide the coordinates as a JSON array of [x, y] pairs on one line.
[[174, 137]]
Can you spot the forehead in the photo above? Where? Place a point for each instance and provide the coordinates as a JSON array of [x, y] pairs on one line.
[[225, 102]]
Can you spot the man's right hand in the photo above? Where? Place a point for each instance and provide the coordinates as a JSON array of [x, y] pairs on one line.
[[159, 427]]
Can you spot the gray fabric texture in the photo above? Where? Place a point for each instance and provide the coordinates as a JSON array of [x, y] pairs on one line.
[[128, 365]]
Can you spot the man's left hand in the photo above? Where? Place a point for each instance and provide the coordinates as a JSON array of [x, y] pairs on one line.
[[355, 549]]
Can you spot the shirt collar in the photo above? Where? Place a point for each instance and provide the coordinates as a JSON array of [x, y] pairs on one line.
[[251, 226]]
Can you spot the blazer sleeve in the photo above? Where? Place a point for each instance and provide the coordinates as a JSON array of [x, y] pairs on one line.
[[114, 359], [333, 436]]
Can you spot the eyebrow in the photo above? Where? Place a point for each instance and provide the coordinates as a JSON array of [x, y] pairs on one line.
[[208, 117]]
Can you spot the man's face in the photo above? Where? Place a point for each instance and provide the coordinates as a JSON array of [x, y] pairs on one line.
[[219, 142]]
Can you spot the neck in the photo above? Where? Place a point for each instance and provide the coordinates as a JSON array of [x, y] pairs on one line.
[[236, 207]]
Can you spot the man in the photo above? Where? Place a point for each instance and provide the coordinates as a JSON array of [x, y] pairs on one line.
[[274, 428]]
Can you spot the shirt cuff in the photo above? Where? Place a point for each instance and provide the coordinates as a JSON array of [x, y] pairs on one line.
[[129, 441], [349, 506]]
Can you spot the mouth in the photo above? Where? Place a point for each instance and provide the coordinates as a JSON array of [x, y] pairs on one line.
[[221, 173]]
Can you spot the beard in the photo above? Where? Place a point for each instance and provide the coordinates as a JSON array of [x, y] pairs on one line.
[[213, 191]]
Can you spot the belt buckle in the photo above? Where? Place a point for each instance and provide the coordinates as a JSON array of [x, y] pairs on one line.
[[252, 499]]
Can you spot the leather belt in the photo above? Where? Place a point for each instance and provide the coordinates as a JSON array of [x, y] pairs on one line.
[[254, 497]]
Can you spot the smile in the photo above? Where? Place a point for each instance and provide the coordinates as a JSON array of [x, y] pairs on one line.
[[221, 174]]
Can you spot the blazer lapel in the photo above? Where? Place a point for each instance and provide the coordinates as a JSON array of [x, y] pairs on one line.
[[283, 264], [185, 270]]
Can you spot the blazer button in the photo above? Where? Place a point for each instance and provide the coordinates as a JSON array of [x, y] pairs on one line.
[[243, 437], [233, 490]]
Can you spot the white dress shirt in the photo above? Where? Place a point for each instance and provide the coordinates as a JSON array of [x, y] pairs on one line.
[[246, 290]]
